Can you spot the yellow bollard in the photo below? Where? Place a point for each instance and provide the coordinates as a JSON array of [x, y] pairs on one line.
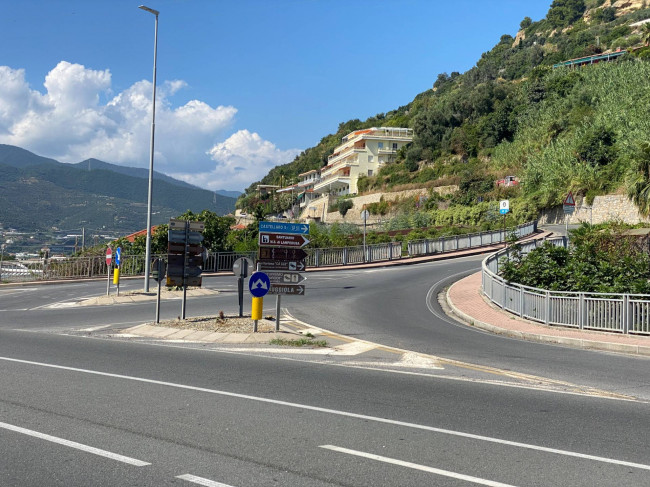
[[116, 275], [256, 313]]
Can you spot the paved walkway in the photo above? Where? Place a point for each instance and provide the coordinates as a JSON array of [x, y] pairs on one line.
[[467, 303]]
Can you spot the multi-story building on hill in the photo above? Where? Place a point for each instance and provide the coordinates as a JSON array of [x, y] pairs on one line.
[[362, 153]]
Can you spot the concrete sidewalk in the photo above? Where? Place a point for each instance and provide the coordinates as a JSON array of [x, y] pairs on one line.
[[467, 303]]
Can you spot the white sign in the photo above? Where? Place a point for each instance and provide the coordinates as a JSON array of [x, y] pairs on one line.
[[504, 206], [364, 215]]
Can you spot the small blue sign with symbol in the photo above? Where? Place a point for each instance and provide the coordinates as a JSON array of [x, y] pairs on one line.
[[118, 255], [282, 227], [259, 284], [503, 211]]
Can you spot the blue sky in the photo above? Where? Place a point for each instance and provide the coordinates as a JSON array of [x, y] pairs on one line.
[[243, 85]]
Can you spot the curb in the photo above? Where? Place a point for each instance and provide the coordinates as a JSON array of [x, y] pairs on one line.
[[543, 338]]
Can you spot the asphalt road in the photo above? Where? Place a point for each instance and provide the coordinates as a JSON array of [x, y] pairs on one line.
[[82, 409]]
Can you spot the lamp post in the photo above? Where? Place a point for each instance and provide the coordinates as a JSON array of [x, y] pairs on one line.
[[147, 258]]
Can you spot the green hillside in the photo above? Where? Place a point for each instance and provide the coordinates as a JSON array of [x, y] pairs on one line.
[[514, 114], [38, 194]]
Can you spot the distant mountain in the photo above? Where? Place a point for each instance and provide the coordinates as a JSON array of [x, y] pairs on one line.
[[136, 172], [11, 155], [38, 193], [229, 194]]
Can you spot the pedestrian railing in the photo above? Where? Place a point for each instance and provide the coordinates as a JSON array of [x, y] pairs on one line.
[[622, 313], [133, 265]]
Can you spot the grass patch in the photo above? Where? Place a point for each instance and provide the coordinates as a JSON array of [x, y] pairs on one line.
[[301, 342]]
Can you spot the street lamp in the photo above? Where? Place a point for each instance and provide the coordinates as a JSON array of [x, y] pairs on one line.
[[147, 258]]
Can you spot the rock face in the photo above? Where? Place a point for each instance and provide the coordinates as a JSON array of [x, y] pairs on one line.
[[625, 6]]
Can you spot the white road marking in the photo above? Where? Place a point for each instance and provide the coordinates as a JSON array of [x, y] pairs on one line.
[[74, 444], [336, 412], [415, 466], [201, 481]]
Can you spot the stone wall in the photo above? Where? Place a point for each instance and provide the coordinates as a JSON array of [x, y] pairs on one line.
[[354, 214], [610, 207]]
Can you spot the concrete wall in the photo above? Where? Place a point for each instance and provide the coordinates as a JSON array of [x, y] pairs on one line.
[[610, 207]]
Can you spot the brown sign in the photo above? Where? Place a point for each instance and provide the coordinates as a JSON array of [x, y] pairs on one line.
[[267, 253], [283, 265], [282, 240], [287, 289]]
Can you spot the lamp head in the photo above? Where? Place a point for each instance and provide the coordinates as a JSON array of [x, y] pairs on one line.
[[150, 10]]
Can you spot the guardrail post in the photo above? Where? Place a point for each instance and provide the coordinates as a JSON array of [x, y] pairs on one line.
[[547, 308], [317, 258], [521, 301], [345, 255], [626, 314], [456, 242], [581, 314]]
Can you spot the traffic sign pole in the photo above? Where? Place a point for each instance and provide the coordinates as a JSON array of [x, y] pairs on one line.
[[109, 257]]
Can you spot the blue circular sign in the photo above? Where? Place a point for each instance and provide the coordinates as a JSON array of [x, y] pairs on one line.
[[259, 284], [118, 255]]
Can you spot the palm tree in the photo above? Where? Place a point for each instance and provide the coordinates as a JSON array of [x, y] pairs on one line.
[[638, 189]]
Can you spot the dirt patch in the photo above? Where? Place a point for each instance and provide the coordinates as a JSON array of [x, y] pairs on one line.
[[227, 324]]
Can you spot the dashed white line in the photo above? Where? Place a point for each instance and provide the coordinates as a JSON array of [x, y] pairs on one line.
[[75, 445], [201, 481], [346, 414], [415, 466]]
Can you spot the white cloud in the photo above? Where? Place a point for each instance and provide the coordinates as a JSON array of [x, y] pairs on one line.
[[240, 160], [69, 123]]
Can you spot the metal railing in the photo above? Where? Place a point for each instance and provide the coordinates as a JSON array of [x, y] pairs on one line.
[[621, 313], [133, 265]]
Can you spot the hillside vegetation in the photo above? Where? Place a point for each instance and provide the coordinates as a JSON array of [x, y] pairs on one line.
[[513, 114]]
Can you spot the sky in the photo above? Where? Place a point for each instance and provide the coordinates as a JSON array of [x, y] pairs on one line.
[[242, 85]]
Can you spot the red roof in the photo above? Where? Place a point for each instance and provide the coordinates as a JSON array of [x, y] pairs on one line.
[[131, 238]]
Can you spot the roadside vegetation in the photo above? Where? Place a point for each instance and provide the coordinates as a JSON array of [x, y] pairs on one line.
[[601, 258]]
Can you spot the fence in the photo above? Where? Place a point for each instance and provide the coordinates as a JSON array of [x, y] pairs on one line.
[[133, 265], [622, 313]]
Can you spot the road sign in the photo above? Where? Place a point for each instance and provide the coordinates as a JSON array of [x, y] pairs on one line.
[[159, 269], [504, 206], [176, 224], [109, 256], [259, 284], [287, 289], [267, 253], [282, 227], [569, 203], [283, 240], [243, 267], [569, 200], [279, 277], [118, 255], [282, 265], [364, 215]]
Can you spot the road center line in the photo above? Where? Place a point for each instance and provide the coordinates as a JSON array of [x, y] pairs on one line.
[[340, 413], [74, 444], [415, 466], [201, 481]]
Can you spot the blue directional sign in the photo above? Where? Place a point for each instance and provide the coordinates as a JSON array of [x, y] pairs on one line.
[[259, 284], [118, 255], [282, 227]]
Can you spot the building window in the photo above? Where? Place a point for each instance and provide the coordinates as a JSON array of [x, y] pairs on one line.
[[380, 145], [394, 145], [371, 158], [369, 172]]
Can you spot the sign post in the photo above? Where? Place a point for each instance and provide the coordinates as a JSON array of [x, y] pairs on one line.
[[258, 285], [364, 215], [569, 206], [504, 208], [281, 249], [116, 273], [241, 268], [109, 258]]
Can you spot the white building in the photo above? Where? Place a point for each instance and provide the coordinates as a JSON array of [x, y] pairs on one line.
[[362, 153]]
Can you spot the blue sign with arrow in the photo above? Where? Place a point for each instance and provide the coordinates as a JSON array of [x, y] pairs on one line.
[[259, 284], [118, 256], [282, 227]]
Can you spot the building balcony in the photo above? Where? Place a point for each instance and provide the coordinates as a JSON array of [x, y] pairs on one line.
[[335, 182]]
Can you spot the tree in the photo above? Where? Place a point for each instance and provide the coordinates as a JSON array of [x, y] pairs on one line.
[[638, 189], [525, 23], [645, 34]]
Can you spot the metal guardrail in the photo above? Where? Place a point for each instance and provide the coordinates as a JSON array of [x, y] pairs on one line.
[[133, 265], [622, 313]]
